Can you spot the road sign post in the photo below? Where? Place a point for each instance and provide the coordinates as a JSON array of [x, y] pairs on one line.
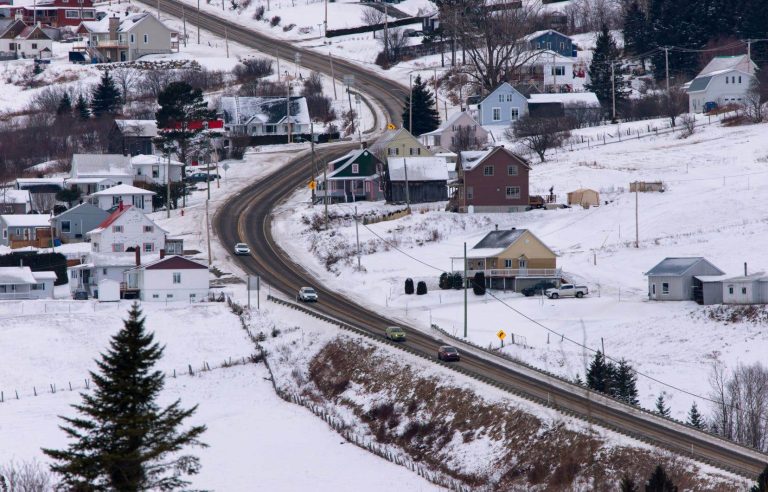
[[501, 336]]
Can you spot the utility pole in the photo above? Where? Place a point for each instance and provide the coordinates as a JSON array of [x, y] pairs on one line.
[[410, 105], [184, 20], [637, 225], [325, 195], [357, 236], [313, 171], [333, 77], [613, 90], [554, 73], [258, 292], [325, 22], [288, 108], [226, 40], [359, 121], [208, 232], [407, 191], [158, 9], [277, 57], [666, 64], [168, 187], [464, 280], [749, 54], [248, 283], [198, 21]]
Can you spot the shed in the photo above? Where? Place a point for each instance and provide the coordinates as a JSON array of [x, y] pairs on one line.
[[109, 290], [672, 279], [746, 289], [584, 197], [426, 178], [646, 186], [708, 289]]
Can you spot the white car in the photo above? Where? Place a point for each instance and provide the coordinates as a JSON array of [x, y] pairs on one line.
[[307, 294], [242, 249], [567, 290]]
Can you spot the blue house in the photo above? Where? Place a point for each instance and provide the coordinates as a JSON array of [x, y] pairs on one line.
[[551, 40], [502, 106]]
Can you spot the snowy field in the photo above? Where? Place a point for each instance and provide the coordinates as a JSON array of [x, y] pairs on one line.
[[672, 342]]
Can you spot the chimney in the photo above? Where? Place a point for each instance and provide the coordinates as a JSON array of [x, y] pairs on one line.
[[114, 25], [745, 268], [497, 226], [162, 253], [138, 256], [120, 205]]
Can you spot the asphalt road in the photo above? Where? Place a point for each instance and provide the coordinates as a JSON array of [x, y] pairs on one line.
[[247, 217]]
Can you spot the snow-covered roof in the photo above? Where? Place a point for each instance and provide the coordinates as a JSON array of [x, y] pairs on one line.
[[72, 181], [89, 165], [719, 63], [418, 168], [537, 34], [127, 23], [752, 277], [470, 159], [79, 208], [123, 189], [451, 121], [119, 259], [155, 160], [710, 278], [266, 110], [546, 57], [568, 99], [674, 267], [26, 220], [24, 182], [484, 252], [17, 275], [15, 196], [44, 275], [137, 128]]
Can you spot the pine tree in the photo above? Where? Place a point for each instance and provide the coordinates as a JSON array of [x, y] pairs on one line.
[[606, 54], [65, 105], [659, 481], [762, 482], [425, 115], [600, 374], [635, 30], [180, 105], [628, 485], [122, 439], [625, 383], [106, 97], [695, 419], [661, 407], [81, 108]]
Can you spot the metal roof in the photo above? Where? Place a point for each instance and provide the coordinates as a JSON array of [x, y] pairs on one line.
[[499, 239], [675, 267], [699, 83]]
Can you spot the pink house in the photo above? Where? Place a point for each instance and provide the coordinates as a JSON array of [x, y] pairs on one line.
[[459, 132], [493, 180]]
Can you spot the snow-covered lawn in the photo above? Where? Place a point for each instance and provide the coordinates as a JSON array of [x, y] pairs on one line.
[[715, 181]]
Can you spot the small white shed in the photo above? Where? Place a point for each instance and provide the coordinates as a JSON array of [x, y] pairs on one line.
[[109, 290]]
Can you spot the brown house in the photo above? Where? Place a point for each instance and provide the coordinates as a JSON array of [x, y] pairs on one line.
[[512, 259], [493, 180]]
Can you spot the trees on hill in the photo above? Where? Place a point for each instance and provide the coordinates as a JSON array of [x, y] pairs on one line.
[[425, 115], [618, 380], [105, 98], [180, 105], [606, 72]]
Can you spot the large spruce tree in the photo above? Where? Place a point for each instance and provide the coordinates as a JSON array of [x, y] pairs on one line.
[[659, 481], [695, 419], [81, 108], [123, 440], [605, 56], [600, 374], [625, 383], [180, 105], [635, 30], [106, 97], [425, 115], [661, 406]]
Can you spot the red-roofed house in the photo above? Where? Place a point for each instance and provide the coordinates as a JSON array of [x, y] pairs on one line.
[[127, 227], [173, 278]]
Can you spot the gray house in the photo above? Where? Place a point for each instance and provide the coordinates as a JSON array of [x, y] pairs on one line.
[[673, 278], [70, 226], [502, 106], [425, 177]]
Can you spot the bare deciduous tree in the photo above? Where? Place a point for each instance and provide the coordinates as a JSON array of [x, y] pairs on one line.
[[754, 102], [540, 134], [674, 103], [25, 477], [741, 404], [126, 78], [688, 122], [372, 17], [465, 138], [393, 41], [155, 80], [591, 15]]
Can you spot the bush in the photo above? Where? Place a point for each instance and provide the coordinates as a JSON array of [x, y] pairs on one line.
[[457, 281], [478, 284], [408, 286], [445, 281], [253, 68], [274, 21], [421, 288], [288, 27], [259, 13]]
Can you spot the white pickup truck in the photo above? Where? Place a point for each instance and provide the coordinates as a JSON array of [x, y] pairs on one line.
[[567, 290]]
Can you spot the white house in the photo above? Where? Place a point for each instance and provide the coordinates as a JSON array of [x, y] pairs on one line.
[[724, 81], [266, 115], [95, 172], [125, 194], [154, 168], [95, 268], [22, 283], [15, 201], [127, 227], [173, 278], [25, 41]]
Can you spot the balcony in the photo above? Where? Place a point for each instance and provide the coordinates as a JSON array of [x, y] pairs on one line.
[[518, 272]]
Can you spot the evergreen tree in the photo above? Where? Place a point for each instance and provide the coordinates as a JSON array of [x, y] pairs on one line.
[[65, 105], [600, 374], [578, 380], [180, 105], [695, 419], [762, 482], [635, 30], [425, 115], [606, 54], [106, 97], [659, 481], [625, 383], [661, 407], [628, 485], [123, 440], [81, 108]]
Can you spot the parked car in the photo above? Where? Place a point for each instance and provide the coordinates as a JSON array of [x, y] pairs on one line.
[[448, 353], [537, 288], [307, 294], [395, 333], [80, 295], [567, 290], [242, 249], [201, 177]]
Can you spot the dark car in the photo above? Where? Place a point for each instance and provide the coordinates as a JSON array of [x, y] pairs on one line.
[[537, 288], [201, 177], [448, 353], [80, 295]]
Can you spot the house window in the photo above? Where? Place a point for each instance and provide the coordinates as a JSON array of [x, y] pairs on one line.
[[513, 192], [558, 70], [73, 274], [146, 38], [149, 247], [155, 296], [730, 289], [549, 45], [488, 171], [89, 14], [149, 229], [38, 286], [133, 39], [496, 114], [726, 79], [96, 247], [418, 151], [509, 97], [514, 114], [103, 271], [138, 201], [470, 192], [664, 288], [512, 170], [117, 228], [176, 277], [653, 289], [501, 98], [743, 290], [507, 263], [739, 75], [116, 200], [168, 296], [65, 226], [72, 14], [155, 172], [117, 248], [34, 47], [562, 46]]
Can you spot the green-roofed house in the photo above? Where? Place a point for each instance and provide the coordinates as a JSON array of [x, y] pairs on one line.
[[355, 177], [724, 81]]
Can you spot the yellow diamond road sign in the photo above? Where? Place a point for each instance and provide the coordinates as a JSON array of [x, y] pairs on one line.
[[312, 185], [501, 334], [390, 126]]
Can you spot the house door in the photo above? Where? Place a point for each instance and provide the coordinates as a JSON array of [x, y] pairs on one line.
[[653, 291], [122, 56], [522, 266]]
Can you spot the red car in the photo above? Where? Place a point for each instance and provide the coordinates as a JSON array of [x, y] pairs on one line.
[[448, 353]]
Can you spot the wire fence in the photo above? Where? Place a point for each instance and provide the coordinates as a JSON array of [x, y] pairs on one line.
[[37, 307]]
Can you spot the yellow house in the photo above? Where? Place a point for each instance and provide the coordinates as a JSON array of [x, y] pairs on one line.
[[512, 259], [398, 143]]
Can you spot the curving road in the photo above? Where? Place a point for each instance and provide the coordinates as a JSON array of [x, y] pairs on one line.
[[247, 217]]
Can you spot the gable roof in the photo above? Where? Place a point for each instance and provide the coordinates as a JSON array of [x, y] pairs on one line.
[[155, 160], [173, 263], [115, 216], [737, 62], [699, 83], [350, 159], [391, 135], [497, 241], [538, 34], [268, 110], [15, 196], [419, 168], [82, 207], [123, 189], [452, 121], [101, 165], [26, 220], [503, 87], [470, 159], [676, 267], [16, 275], [567, 99], [137, 128], [127, 23]]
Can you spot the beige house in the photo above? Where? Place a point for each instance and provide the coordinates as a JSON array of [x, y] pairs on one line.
[[459, 132], [127, 38], [584, 197], [512, 259], [396, 143]]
